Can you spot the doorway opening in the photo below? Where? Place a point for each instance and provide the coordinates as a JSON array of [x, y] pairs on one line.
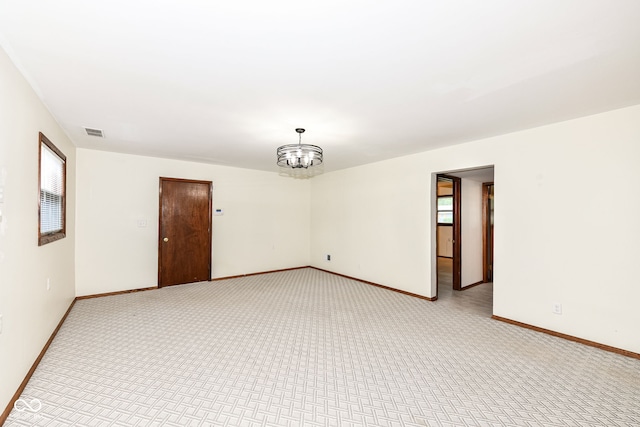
[[462, 248]]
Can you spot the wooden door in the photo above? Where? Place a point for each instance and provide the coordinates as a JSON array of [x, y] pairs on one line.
[[457, 233], [184, 243], [487, 236]]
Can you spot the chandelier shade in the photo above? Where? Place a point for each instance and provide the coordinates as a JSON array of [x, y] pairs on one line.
[[299, 155]]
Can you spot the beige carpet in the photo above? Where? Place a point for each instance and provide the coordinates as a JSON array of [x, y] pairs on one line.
[[308, 348]]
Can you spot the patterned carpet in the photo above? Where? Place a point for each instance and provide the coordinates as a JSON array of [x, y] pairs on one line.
[[308, 348]]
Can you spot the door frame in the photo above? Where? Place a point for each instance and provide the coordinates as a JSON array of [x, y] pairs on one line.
[[209, 227]]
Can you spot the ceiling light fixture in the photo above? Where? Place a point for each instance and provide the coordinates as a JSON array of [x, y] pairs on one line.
[[299, 155]]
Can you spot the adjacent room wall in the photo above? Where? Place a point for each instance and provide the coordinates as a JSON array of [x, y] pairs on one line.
[[29, 312], [376, 222], [471, 223], [264, 227]]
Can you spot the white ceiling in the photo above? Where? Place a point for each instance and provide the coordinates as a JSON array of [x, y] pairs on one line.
[[485, 174], [226, 82]]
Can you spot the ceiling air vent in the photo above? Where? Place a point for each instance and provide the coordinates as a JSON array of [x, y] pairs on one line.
[[94, 132]]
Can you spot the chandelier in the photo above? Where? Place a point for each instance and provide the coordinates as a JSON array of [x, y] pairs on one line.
[[299, 155]]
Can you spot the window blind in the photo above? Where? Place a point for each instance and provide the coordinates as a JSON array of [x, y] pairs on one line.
[[51, 191]]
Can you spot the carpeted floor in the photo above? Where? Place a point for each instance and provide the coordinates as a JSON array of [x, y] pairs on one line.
[[308, 348]]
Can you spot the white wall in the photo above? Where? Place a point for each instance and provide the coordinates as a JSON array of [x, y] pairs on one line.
[[29, 312], [471, 233], [376, 220], [371, 219], [264, 227]]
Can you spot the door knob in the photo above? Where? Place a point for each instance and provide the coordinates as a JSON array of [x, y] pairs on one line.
[[166, 239]]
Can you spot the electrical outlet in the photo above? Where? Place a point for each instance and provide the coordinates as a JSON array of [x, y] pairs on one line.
[[557, 308], [48, 284], [328, 257]]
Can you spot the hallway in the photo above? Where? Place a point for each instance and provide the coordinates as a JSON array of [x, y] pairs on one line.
[[478, 299]]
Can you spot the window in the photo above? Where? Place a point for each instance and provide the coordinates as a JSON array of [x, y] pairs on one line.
[[445, 201], [52, 188], [445, 210]]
